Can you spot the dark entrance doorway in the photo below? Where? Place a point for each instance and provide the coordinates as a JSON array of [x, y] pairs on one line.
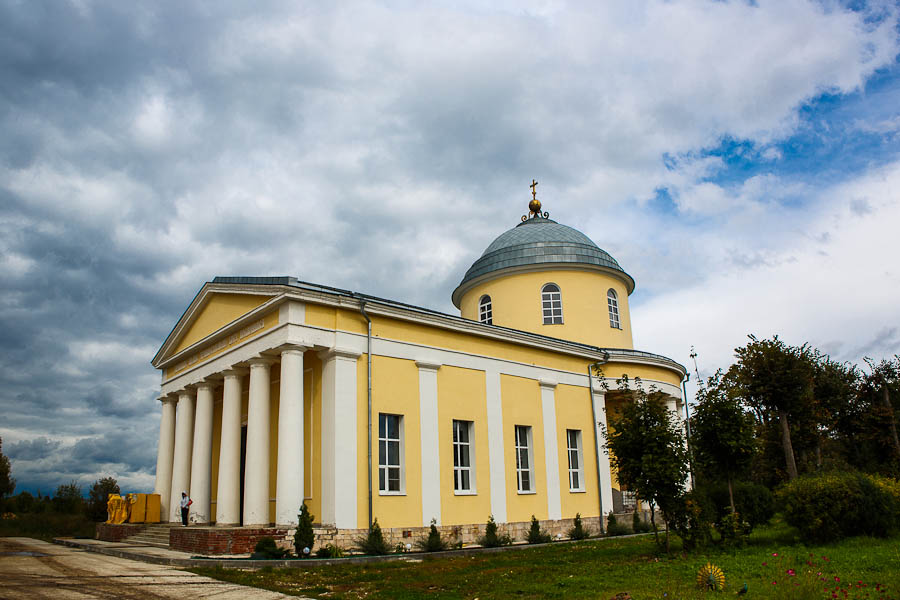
[[243, 462]]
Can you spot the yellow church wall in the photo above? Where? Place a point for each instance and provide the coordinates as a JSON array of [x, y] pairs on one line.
[[573, 411], [516, 303], [461, 396], [220, 310], [649, 373], [395, 390], [521, 402]]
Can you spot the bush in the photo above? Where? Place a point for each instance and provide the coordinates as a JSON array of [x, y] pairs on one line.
[[330, 551], [98, 496], [692, 518], [638, 525], [613, 527], [68, 500], [831, 506], [434, 542], [491, 539], [578, 532], [754, 502], [304, 536], [734, 529], [535, 535], [23, 503], [267, 549], [374, 542]]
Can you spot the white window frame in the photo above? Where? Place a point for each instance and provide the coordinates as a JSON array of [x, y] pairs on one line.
[[524, 449], [384, 468], [551, 304], [612, 301], [486, 310], [461, 448], [573, 450]]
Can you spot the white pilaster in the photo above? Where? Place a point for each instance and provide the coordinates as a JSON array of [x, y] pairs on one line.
[[184, 444], [428, 421], [164, 454], [495, 445], [551, 448], [228, 495], [256, 466], [289, 482], [201, 461], [339, 438], [602, 458]]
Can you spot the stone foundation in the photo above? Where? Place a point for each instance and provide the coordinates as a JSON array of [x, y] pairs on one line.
[[109, 532], [226, 540]]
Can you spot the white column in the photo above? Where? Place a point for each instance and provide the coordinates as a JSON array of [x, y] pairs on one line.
[[201, 457], [164, 455], [228, 495], [551, 449], [431, 461], [495, 445], [289, 478], [184, 443], [606, 498], [339, 438], [256, 466]]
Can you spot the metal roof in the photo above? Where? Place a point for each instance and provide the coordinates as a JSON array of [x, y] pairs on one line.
[[540, 240]]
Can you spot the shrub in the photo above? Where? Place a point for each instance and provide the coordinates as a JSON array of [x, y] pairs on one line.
[[613, 527], [434, 542], [691, 519], [754, 502], [535, 535], [24, 503], [578, 532], [638, 525], [491, 539], [304, 536], [734, 529], [831, 506], [330, 551], [266, 548], [374, 542]]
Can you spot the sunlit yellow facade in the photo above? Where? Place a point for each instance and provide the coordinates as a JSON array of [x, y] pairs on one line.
[[266, 398]]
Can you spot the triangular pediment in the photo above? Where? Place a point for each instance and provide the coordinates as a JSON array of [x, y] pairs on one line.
[[211, 310]]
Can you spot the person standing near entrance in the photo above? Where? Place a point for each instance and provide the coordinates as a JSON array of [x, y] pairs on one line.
[[185, 503]]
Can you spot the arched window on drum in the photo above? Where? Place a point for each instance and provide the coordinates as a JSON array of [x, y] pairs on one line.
[[612, 300], [485, 310], [551, 303]]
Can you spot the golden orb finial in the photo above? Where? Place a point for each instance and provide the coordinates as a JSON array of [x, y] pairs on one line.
[[534, 207]]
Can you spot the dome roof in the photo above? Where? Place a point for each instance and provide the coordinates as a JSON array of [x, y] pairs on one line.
[[540, 240]]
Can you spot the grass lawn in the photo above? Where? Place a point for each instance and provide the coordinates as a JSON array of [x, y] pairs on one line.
[[773, 565]]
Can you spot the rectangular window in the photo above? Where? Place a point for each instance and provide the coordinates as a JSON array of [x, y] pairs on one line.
[[390, 449], [576, 468], [524, 473], [463, 472]]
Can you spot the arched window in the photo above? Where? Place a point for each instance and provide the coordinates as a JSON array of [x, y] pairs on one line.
[[485, 311], [613, 302], [551, 301]]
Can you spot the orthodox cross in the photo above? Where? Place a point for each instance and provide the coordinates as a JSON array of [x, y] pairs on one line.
[[533, 190]]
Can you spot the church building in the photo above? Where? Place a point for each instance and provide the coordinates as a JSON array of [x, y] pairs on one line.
[[277, 391]]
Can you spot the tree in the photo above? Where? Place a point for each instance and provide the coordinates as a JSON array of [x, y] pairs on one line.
[[775, 381], [722, 434], [7, 483], [67, 499], [886, 375], [98, 496], [646, 448], [304, 537]]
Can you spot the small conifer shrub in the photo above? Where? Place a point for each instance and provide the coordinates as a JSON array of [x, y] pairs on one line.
[[578, 532], [535, 535], [266, 548], [434, 542], [330, 551], [374, 542], [304, 536], [491, 539], [613, 527]]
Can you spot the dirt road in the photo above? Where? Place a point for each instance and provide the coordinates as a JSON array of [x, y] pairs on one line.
[[35, 569]]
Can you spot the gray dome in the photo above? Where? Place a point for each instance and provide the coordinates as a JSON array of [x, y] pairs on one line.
[[540, 241]]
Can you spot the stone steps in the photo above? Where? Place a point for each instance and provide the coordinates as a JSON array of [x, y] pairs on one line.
[[156, 534]]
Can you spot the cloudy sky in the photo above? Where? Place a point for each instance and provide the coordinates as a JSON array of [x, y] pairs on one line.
[[740, 159]]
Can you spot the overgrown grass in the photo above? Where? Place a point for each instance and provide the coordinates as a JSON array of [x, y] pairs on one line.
[[47, 525], [857, 568]]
